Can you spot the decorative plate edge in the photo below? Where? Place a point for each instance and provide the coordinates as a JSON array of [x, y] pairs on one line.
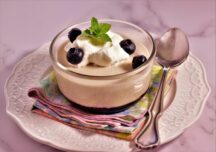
[[207, 94]]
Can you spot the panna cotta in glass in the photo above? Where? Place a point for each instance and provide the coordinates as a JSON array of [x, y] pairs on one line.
[[103, 65]]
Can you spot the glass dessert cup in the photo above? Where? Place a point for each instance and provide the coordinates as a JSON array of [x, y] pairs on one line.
[[107, 93]]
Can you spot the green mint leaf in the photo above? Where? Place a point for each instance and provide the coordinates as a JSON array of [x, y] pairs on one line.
[[104, 38], [94, 26], [96, 41], [94, 22], [87, 31], [97, 32], [105, 27]]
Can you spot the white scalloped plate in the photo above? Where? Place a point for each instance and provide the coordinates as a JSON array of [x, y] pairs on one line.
[[191, 95]]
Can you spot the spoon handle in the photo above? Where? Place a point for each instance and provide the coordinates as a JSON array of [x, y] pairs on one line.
[[149, 135]]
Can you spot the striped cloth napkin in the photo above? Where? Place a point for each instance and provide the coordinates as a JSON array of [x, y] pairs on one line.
[[51, 103]]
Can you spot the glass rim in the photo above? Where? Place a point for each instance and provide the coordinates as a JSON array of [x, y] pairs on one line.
[[129, 73]]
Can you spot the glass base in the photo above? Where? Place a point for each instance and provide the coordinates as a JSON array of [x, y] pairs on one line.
[[113, 110]]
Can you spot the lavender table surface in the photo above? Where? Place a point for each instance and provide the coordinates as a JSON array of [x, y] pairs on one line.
[[25, 25]]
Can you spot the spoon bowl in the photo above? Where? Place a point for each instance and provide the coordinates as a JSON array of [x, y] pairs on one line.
[[173, 48]]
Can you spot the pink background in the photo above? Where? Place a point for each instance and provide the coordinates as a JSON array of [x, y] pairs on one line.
[[25, 25]]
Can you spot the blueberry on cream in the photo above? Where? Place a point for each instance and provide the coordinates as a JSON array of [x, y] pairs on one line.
[[138, 60], [128, 46], [74, 32], [75, 55]]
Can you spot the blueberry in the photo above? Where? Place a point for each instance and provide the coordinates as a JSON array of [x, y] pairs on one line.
[[75, 55], [128, 46], [138, 60], [72, 35]]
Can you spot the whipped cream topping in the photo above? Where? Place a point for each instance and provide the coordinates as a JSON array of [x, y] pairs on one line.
[[101, 55]]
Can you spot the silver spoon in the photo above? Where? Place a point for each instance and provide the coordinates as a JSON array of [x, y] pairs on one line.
[[172, 50]]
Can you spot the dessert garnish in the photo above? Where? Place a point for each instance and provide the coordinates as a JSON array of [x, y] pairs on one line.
[[128, 46], [98, 32], [75, 55], [138, 60], [72, 35]]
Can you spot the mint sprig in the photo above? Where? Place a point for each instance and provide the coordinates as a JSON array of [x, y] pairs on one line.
[[97, 32]]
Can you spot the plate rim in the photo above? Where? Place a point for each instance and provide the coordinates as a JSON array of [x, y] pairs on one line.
[[48, 142]]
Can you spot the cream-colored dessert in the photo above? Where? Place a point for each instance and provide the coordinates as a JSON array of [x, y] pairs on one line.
[[124, 65], [104, 78]]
